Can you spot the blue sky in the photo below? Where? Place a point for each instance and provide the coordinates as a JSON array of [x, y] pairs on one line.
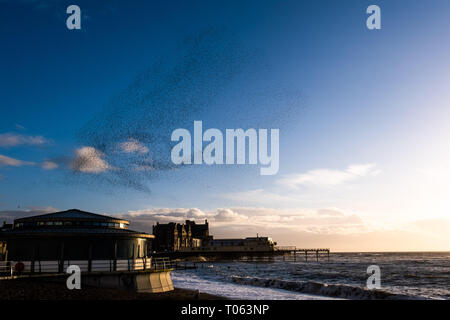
[[363, 115]]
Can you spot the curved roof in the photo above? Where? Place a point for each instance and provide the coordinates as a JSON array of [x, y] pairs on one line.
[[72, 214], [72, 223], [67, 232]]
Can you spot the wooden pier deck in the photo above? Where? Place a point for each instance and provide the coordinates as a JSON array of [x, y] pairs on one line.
[[293, 251], [286, 252]]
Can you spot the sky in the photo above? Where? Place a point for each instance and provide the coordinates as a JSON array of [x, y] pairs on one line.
[[363, 116]]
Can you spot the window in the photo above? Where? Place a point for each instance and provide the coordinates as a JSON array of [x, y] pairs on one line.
[[58, 223], [49, 223]]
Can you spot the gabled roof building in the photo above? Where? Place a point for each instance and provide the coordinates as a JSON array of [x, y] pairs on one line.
[[171, 237]]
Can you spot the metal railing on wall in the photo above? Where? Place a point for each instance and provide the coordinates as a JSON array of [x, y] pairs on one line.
[[6, 269], [161, 263], [10, 268]]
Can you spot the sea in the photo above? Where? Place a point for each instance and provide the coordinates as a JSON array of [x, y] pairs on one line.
[[418, 275]]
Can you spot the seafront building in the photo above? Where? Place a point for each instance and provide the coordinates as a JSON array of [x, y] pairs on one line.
[[72, 236], [170, 237], [195, 238], [102, 247]]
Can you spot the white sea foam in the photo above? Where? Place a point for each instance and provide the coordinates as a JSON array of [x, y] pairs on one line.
[[185, 280], [322, 289]]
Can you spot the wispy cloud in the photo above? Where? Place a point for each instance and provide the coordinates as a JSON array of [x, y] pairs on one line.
[[330, 212], [328, 177], [314, 188], [14, 139], [260, 196], [133, 146], [89, 160], [19, 126], [7, 161], [49, 165]]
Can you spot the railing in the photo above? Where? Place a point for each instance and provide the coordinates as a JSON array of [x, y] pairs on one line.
[[8, 268], [161, 264], [293, 248], [293, 251], [285, 248]]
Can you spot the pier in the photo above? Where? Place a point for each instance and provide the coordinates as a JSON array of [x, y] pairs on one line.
[[293, 251], [288, 253]]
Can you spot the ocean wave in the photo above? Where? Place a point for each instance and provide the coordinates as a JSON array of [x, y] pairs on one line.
[[324, 289]]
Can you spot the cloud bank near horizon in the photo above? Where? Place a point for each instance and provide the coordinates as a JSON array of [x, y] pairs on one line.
[[327, 227]]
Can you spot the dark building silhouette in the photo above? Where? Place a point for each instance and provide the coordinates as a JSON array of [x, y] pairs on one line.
[[174, 236], [199, 231], [72, 235], [191, 237], [4, 227]]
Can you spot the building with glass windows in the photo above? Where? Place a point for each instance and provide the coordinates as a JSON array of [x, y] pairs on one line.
[[73, 235]]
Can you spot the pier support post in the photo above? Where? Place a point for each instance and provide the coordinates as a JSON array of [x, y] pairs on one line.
[[61, 258], [90, 258], [115, 256]]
